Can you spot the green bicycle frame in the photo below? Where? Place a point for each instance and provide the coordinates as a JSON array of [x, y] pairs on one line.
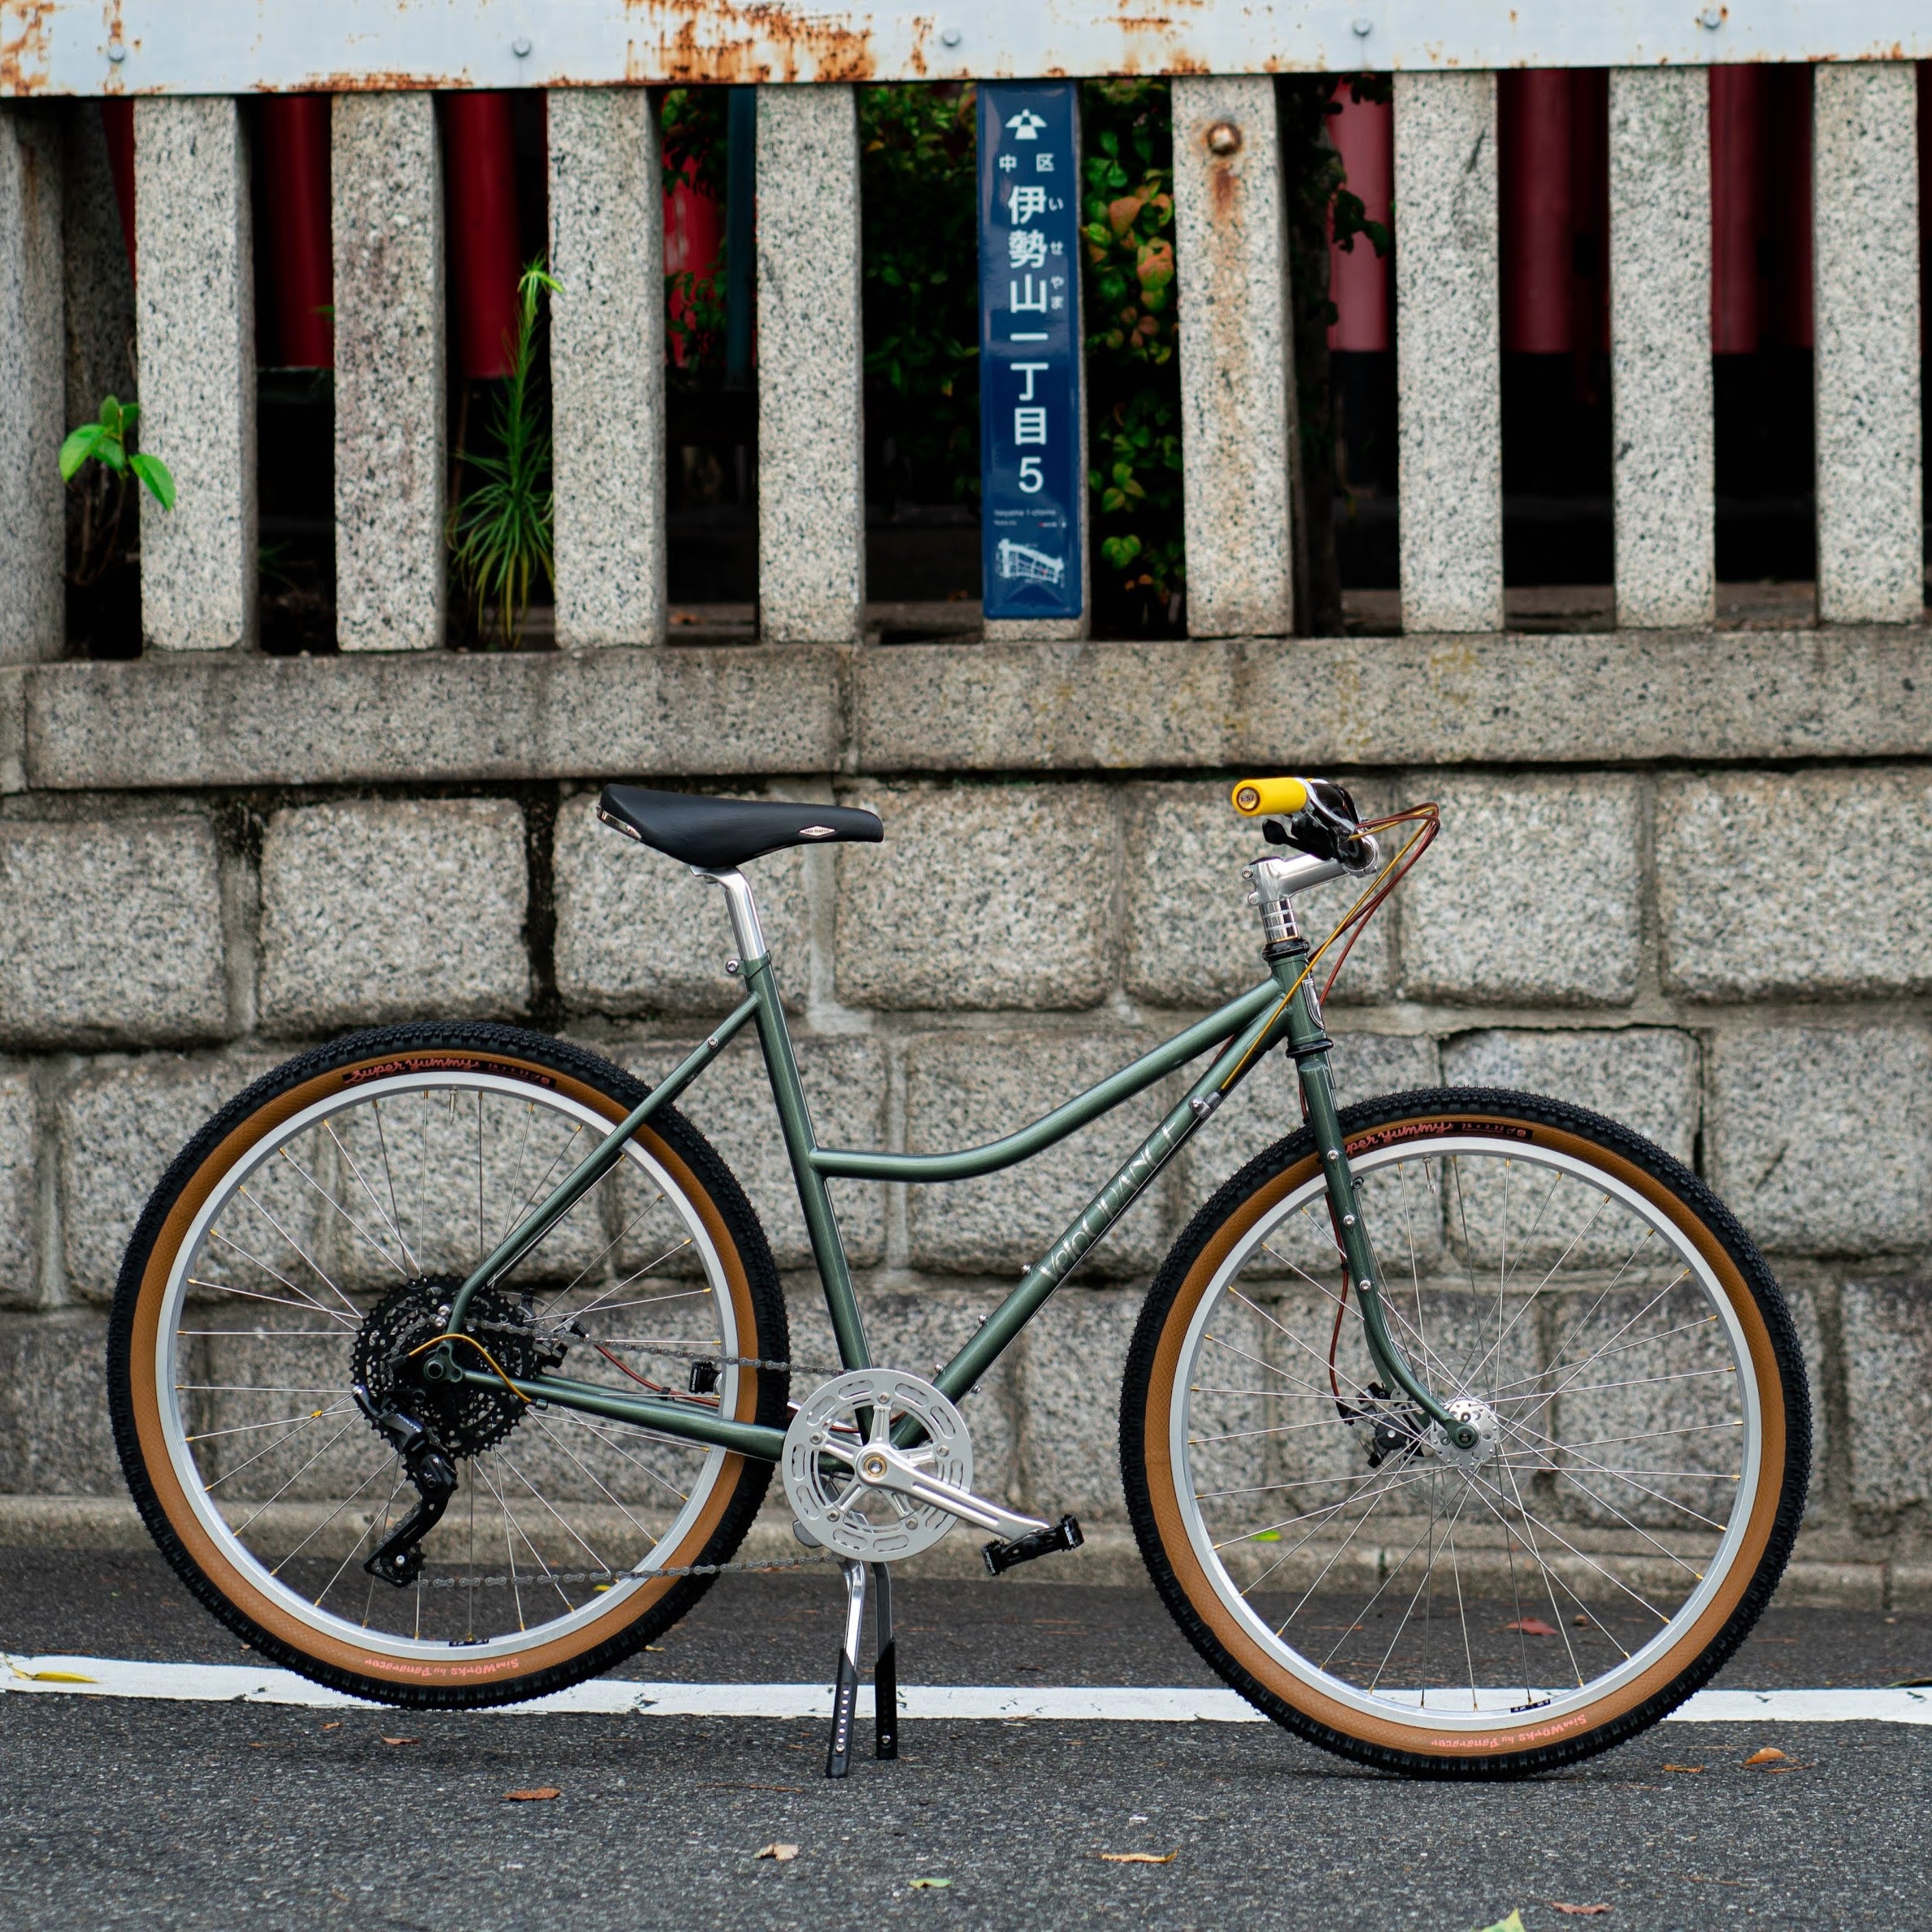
[[1282, 1008]]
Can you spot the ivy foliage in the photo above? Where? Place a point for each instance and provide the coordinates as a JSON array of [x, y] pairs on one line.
[[918, 174], [1134, 396]]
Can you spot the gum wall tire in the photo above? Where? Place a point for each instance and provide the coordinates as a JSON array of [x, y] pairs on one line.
[[733, 1226], [1777, 1360]]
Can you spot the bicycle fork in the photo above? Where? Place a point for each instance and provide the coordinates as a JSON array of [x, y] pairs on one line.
[[1308, 1045]]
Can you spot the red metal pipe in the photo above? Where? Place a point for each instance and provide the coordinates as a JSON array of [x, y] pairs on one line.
[[1364, 133], [480, 204], [693, 239], [117, 123], [296, 328], [1538, 213], [1738, 103]]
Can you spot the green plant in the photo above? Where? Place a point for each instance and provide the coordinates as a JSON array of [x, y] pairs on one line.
[[917, 163], [1133, 377], [501, 531], [105, 441]]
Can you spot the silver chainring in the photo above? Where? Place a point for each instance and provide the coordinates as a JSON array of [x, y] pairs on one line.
[[833, 1506]]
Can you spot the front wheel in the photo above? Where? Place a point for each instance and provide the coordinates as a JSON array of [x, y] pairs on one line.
[[306, 1244], [1644, 1437]]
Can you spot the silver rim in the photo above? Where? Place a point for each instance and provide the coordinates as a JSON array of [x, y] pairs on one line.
[[559, 1516], [1621, 1458]]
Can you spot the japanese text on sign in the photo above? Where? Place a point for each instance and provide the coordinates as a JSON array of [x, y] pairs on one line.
[[1032, 469]]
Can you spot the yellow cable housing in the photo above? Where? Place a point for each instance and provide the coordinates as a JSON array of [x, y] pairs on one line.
[[1254, 796]]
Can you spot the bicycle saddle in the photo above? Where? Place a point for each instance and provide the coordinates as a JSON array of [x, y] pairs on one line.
[[714, 833]]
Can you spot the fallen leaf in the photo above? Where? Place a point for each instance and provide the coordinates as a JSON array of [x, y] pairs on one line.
[[929, 1884], [1691, 1769], [402, 1740], [1769, 1756], [534, 1795], [1140, 1857], [780, 1854], [53, 1677], [1532, 1626], [1583, 1619], [1513, 1923], [1578, 1911], [336, 1726]]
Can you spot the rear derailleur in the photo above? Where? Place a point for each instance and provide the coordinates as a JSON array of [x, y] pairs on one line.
[[427, 1464]]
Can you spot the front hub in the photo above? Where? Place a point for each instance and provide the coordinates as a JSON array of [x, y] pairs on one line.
[[1488, 1428]]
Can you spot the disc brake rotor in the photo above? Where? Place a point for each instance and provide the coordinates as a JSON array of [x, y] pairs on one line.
[[833, 1506]]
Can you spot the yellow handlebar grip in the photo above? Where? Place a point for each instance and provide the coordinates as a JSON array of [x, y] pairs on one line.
[[1254, 796]]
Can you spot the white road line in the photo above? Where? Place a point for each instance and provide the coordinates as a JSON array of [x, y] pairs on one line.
[[243, 1683]]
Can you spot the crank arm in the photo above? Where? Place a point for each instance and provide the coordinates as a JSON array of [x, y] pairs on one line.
[[878, 1465]]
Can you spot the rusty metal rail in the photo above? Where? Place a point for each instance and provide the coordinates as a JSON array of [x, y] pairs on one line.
[[242, 47]]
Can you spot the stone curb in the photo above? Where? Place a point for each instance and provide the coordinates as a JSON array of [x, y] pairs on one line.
[[1109, 1556], [224, 718]]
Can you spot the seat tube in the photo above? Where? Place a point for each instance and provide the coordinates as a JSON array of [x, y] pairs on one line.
[[795, 1121]]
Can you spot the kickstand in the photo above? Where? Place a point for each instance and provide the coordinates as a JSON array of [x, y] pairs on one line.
[[885, 1671], [845, 1700]]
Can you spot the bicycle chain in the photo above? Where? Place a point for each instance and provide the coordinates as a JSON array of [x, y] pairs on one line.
[[679, 1351], [537, 1578], [614, 1576]]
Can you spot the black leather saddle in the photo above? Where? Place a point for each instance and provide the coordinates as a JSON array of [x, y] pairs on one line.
[[715, 833]]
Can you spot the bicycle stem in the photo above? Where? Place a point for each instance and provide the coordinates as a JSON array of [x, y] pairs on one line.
[[1309, 1046]]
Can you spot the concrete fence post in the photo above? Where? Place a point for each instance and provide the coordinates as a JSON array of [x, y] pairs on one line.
[[195, 310], [1237, 358], [607, 366], [1663, 464], [1449, 370], [33, 382], [811, 430], [1870, 461], [391, 373]]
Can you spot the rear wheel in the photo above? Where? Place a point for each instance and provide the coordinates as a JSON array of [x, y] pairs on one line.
[[310, 1238], [1643, 1438]]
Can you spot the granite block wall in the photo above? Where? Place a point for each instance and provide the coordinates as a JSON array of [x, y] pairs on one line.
[[1661, 945]]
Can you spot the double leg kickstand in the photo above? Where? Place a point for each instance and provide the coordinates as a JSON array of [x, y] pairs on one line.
[[885, 1669]]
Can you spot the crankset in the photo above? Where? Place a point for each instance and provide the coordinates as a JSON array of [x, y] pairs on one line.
[[858, 1494]]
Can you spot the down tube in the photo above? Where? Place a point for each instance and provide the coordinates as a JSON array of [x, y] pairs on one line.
[[1013, 1315]]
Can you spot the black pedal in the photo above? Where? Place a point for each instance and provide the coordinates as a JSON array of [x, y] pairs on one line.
[[1003, 1557]]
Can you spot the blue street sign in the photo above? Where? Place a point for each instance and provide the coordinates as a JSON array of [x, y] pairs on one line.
[[1032, 469]]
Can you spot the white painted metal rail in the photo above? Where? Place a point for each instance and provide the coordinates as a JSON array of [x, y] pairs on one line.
[[237, 46]]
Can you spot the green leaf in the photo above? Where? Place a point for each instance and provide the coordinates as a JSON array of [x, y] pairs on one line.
[[155, 476], [78, 448], [1512, 1923], [111, 415]]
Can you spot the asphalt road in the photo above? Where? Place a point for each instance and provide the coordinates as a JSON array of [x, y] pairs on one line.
[[118, 1812]]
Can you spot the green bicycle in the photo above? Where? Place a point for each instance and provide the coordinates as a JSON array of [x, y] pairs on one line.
[[1464, 1432]]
